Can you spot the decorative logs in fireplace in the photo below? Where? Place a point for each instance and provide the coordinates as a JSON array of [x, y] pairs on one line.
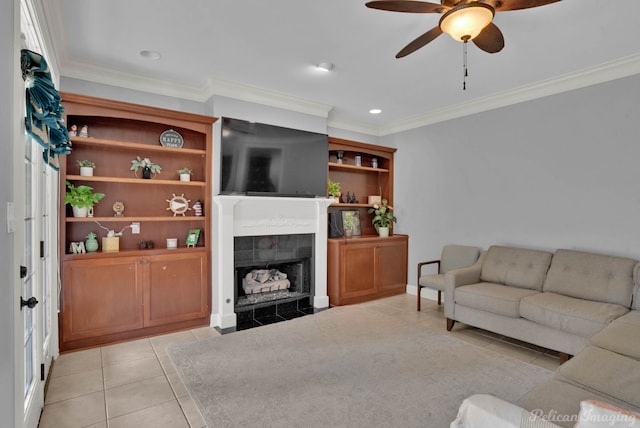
[[263, 280]]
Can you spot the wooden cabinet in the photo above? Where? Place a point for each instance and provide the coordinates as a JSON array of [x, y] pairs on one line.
[[137, 291], [366, 268]]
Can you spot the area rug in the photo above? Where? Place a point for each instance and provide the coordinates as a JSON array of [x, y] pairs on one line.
[[344, 367]]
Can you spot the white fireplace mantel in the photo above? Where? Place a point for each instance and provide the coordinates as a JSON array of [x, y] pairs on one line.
[[259, 216]]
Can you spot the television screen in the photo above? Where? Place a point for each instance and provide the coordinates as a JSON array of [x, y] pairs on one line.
[[261, 159]]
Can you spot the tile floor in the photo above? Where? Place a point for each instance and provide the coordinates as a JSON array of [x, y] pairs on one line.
[[134, 384]]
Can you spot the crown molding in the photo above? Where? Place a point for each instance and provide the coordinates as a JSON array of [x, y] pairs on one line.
[[348, 125], [612, 70]]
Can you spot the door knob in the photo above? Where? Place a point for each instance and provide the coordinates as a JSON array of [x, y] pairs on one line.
[[31, 302]]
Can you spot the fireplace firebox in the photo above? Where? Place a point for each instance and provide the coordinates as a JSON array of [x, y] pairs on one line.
[[273, 278]]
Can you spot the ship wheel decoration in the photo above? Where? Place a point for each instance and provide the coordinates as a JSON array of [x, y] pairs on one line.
[[178, 204]]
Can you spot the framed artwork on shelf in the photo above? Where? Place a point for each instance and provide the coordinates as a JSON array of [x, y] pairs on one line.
[[351, 221], [192, 237]]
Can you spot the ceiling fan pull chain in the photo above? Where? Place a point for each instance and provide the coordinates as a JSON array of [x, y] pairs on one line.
[[464, 65]]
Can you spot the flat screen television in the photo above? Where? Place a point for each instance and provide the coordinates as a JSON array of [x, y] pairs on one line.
[[266, 160]]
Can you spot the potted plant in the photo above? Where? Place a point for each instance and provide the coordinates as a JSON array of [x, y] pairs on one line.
[[147, 166], [185, 174], [82, 199], [347, 224], [333, 189], [86, 167], [383, 218]]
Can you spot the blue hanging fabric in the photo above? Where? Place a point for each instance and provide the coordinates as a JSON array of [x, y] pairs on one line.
[[43, 118]]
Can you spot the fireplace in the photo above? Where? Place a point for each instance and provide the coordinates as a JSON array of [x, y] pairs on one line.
[[273, 278], [254, 233]]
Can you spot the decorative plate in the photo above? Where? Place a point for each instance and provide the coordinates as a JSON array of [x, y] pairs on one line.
[[171, 138]]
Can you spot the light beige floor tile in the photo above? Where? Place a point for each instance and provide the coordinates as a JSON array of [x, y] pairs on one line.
[[166, 364], [127, 351], [161, 343], [74, 413], [98, 425], [131, 371], [74, 385], [137, 396], [514, 351], [205, 332], [192, 413], [547, 361], [164, 415], [77, 362], [177, 385]]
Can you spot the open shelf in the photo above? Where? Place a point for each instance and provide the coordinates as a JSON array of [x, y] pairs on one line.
[[347, 167], [112, 144], [130, 219], [134, 180]]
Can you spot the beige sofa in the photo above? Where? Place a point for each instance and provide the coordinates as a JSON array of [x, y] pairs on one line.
[[577, 303]]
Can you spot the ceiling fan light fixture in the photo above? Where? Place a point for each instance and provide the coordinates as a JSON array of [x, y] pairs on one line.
[[465, 21]]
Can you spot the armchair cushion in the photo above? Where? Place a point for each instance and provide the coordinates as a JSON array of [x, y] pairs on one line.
[[494, 298], [457, 256], [435, 281], [516, 267], [577, 316]]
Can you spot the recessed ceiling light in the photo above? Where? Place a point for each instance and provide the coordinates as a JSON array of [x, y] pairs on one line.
[[375, 111], [155, 55], [325, 66]]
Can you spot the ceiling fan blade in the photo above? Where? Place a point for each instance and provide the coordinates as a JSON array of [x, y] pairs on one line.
[[449, 3], [504, 5], [407, 6], [420, 42], [490, 39]]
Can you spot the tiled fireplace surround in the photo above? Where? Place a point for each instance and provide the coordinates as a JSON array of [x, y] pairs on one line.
[[255, 216]]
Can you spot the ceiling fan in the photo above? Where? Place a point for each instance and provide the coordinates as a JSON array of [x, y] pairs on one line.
[[463, 20]]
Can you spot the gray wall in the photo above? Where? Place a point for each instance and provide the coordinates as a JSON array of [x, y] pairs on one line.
[[9, 46], [557, 172]]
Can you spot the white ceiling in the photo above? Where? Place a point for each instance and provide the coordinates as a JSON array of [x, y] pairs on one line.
[[265, 51]]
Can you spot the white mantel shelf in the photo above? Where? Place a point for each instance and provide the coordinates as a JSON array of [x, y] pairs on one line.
[[261, 216]]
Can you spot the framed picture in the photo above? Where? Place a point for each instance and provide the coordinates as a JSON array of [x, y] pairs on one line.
[[192, 237], [351, 221]]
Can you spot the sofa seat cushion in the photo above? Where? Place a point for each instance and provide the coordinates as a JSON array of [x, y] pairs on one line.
[[591, 276], [562, 398], [576, 316], [495, 298], [621, 336], [516, 267], [605, 371], [435, 281]]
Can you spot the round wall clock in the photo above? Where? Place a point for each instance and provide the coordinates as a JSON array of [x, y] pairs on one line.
[[178, 204]]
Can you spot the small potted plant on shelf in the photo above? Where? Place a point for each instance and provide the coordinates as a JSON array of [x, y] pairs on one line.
[[86, 167], [383, 218], [333, 189], [147, 166], [82, 199], [348, 225], [185, 174]]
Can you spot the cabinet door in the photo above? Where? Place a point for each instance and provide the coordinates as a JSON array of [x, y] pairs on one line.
[[175, 288], [357, 271], [391, 266], [101, 297]]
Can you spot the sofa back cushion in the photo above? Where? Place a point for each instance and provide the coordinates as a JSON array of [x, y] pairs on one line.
[[591, 276], [515, 267], [636, 287]]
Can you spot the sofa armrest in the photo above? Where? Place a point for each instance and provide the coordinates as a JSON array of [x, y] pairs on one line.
[[456, 278]]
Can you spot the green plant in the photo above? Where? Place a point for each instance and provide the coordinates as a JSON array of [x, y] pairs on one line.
[[145, 163], [185, 171], [333, 189], [81, 196], [85, 164], [348, 222], [382, 215]]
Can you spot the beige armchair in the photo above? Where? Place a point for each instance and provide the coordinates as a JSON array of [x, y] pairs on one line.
[[453, 257]]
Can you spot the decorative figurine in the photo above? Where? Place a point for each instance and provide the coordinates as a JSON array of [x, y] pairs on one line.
[[84, 131], [73, 132], [197, 209], [118, 208]]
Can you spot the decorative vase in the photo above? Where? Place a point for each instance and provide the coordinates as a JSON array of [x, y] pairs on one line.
[[185, 177], [146, 173], [348, 233], [383, 232], [86, 171], [91, 245], [79, 211]]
